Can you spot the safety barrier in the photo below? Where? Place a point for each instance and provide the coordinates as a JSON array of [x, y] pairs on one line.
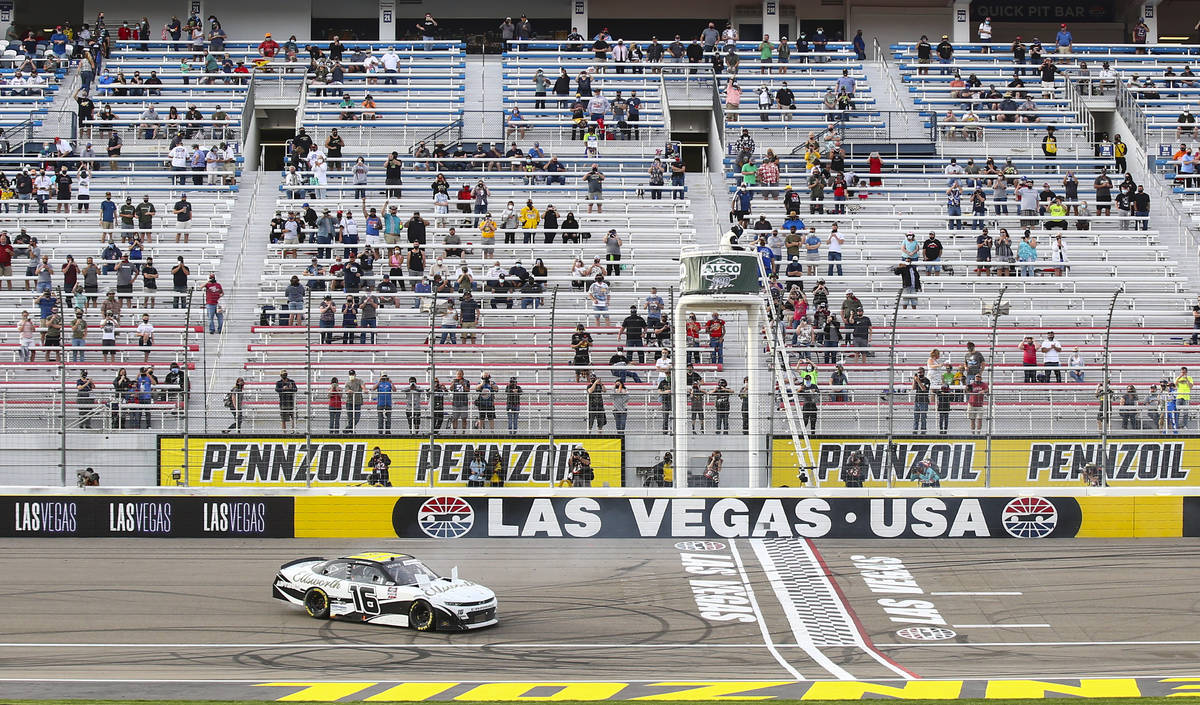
[[427, 515]]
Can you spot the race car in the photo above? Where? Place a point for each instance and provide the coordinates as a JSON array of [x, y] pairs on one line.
[[394, 589]]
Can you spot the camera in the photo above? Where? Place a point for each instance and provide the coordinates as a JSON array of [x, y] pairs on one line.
[[87, 478]]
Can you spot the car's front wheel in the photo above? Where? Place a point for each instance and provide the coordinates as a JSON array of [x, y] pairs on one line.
[[420, 616], [316, 603]]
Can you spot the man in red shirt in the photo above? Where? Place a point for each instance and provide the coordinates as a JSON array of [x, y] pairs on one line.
[[212, 300], [1029, 359], [268, 48], [124, 32], [6, 256], [715, 327], [976, 398]]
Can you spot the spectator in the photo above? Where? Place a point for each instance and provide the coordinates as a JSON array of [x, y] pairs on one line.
[[1027, 252], [696, 407], [285, 388], [945, 53], [1183, 396], [910, 281], [595, 401], [383, 404], [1051, 350], [581, 343], [1129, 409], [598, 295], [921, 394], [183, 217], [235, 400], [715, 328], [145, 337], [213, 292], [1062, 40], [976, 400], [1140, 202]]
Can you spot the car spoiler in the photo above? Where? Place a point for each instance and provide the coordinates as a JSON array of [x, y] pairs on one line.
[[301, 560]]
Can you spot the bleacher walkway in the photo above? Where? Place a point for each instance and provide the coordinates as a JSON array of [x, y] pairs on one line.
[[483, 116], [238, 276]]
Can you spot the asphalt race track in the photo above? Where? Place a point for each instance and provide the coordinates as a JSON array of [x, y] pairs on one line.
[[194, 618]]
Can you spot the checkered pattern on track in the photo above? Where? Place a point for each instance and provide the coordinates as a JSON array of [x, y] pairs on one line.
[[811, 593]]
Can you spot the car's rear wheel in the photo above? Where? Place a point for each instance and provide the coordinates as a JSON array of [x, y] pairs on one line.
[[420, 616], [316, 603]]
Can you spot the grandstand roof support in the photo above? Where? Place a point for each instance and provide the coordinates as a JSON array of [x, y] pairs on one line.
[[991, 396], [758, 473], [579, 16], [961, 31]]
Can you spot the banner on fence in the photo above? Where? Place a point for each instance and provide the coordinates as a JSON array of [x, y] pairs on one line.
[[1016, 462], [147, 516], [231, 461]]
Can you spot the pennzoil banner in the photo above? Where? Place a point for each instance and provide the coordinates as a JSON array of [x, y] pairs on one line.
[[1016, 462], [232, 461]]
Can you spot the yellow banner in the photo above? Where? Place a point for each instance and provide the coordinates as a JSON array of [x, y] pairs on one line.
[[1016, 462], [224, 461]]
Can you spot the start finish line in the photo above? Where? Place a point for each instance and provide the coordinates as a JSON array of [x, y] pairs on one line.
[[735, 690]]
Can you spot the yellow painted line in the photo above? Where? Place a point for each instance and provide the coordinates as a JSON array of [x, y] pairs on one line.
[[318, 692], [681, 691], [567, 691], [412, 692], [713, 690], [1087, 688], [912, 690]]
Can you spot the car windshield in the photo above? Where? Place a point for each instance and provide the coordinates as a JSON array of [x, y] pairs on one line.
[[405, 572]]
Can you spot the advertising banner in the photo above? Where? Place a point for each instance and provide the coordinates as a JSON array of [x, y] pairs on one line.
[[740, 517], [727, 273], [233, 461], [1037, 11], [1016, 462], [164, 517]]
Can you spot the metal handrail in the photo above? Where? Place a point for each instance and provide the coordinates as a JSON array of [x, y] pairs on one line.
[[433, 136]]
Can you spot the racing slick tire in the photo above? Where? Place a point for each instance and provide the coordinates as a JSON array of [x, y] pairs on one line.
[[316, 603], [421, 616]]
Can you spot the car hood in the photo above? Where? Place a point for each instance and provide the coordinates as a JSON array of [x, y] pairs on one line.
[[458, 591]]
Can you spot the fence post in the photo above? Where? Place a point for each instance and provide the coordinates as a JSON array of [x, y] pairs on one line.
[[1106, 390], [308, 386], [550, 387], [187, 385], [433, 393], [991, 392], [891, 391], [678, 346], [62, 383]]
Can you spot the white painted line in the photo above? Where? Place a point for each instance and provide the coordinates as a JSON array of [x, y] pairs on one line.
[[793, 617], [1001, 626], [322, 645], [977, 593], [970, 644], [673, 677], [844, 607], [762, 622]]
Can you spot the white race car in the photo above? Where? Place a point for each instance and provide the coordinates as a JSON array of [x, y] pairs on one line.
[[385, 588]]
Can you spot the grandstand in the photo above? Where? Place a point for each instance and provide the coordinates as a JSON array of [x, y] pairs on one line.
[[345, 199]]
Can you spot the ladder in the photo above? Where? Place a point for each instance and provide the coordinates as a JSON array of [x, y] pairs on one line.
[[785, 381]]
